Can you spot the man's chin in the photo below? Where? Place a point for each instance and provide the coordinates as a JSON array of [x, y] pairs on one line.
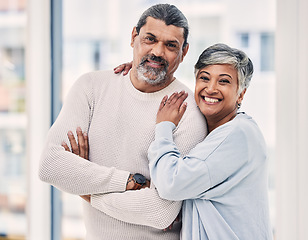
[[151, 76], [154, 79]]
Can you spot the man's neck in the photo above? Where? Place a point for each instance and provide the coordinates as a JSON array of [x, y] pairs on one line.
[[145, 87]]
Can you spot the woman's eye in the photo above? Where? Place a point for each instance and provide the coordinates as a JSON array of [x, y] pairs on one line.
[[204, 78], [224, 81]]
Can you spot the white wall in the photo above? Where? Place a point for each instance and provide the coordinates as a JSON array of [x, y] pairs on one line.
[[292, 119], [38, 109]]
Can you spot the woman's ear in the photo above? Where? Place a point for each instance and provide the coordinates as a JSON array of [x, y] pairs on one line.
[[241, 96]]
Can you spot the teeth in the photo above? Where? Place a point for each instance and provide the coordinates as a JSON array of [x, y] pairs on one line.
[[211, 100]]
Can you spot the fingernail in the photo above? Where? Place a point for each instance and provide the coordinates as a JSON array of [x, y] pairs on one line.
[[78, 129], [63, 144], [85, 134], [70, 133]]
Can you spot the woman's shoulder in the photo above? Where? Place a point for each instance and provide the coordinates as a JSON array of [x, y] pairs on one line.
[[242, 126], [246, 127]]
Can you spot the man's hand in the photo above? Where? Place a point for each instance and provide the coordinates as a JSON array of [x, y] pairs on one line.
[[178, 218], [172, 108], [81, 149]]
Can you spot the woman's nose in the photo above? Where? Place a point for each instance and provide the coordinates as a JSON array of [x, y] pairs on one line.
[[211, 87]]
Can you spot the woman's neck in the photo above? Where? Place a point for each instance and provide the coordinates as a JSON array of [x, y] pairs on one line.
[[213, 123]]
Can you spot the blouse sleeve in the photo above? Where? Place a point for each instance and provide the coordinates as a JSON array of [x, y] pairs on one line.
[[214, 162]]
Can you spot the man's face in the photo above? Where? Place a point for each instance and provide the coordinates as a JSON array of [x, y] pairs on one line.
[[158, 51]]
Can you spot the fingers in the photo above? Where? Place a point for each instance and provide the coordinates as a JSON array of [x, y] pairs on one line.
[[177, 99], [81, 147], [163, 101], [74, 145], [65, 147], [81, 142], [86, 142], [86, 197], [172, 98], [183, 109], [127, 68], [123, 68], [119, 68]]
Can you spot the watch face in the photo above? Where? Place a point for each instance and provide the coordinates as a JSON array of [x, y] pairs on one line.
[[139, 178]]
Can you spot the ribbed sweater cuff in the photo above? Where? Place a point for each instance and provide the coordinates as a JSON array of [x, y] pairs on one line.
[[164, 130], [117, 184], [118, 181]]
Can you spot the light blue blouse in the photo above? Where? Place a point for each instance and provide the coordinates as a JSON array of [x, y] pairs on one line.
[[223, 181]]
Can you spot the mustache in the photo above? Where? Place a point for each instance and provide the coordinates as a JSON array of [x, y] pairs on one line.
[[154, 58]]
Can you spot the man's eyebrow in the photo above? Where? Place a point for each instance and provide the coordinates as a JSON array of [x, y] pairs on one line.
[[174, 42], [151, 34], [168, 41]]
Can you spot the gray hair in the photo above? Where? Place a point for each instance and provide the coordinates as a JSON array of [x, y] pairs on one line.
[[223, 54], [170, 14]]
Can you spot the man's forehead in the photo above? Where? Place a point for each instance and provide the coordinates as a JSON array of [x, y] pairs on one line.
[[159, 28]]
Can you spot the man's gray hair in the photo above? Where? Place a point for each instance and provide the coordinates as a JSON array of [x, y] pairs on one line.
[[223, 54], [170, 14]]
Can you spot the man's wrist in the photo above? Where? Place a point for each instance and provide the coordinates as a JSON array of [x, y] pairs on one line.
[[135, 181], [130, 183]]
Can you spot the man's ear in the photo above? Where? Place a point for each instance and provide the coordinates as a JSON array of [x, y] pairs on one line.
[[134, 35], [185, 50]]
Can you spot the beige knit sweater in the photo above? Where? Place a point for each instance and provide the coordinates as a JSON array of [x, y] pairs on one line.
[[120, 122]]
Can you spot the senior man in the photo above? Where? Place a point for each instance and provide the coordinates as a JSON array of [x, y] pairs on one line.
[[117, 113]]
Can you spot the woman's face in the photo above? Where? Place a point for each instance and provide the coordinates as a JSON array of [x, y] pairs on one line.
[[216, 92]]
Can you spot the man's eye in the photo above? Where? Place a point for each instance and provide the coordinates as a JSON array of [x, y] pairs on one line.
[[171, 45], [149, 39]]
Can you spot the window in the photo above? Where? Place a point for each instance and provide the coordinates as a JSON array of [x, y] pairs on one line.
[[244, 39], [13, 187], [267, 52]]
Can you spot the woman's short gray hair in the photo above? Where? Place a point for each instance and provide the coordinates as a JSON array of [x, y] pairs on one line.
[[223, 54], [168, 13]]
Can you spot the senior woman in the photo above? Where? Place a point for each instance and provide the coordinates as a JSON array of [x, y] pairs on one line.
[[223, 180]]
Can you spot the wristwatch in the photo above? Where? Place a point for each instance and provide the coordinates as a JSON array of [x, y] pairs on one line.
[[139, 180]]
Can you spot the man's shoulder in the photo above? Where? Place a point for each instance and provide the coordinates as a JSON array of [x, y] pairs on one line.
[[180, 85], [99, 78], [101, 75]]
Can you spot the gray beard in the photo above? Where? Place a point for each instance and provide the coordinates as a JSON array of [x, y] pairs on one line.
[[151, 75]]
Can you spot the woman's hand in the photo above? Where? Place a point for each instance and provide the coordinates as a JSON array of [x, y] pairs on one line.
[[123, 68], [172, 108], [81, 149]]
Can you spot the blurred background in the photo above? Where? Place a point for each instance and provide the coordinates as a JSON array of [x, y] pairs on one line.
[[86, 35]]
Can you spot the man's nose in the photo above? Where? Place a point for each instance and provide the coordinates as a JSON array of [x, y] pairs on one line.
[[158, 49]]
